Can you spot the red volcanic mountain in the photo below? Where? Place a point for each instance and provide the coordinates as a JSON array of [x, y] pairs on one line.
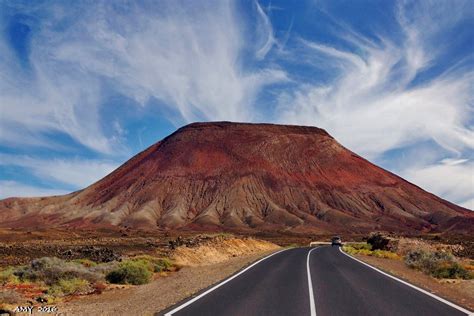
[[246, 176]]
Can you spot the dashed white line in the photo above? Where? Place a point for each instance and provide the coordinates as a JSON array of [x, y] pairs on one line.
[[180, 307], [413, 286]]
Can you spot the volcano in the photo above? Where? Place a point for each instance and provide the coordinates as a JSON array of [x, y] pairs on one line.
[[241, 176]]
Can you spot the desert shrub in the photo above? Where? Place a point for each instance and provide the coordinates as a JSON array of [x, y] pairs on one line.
[[163, 264], [435, 260], [51, 270], [104, 268], [378, 241], [362, 245], [145, 262], [70, 287], [363, 250], [438, 264], [7, 276], [350, 250], [414, 258], [155, 264], [85, 262], [130, 272], [452, 270], [354, 251], [385, 254]]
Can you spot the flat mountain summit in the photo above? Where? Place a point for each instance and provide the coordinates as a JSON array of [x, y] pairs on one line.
[[240, 176]]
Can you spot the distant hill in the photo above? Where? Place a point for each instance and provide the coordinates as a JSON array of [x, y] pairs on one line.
[[240, 176]]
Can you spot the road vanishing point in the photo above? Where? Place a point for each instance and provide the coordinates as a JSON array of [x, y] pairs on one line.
[[320, 281]]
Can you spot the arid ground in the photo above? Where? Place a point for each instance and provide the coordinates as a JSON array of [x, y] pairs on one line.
[[202, 260]]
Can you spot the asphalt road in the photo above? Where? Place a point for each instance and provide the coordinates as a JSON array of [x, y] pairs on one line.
[[284, 283]]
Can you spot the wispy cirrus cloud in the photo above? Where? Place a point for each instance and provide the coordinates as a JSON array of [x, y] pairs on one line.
[[10, 188], [266, 33], [74, 172], [382, 99], [187, 57], [375, 80]]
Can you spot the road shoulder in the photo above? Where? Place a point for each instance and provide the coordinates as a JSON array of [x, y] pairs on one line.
[[161, 293], [460, 292]]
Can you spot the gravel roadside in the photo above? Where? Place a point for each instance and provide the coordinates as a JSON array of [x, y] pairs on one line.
[[460, 292], [160, 293]]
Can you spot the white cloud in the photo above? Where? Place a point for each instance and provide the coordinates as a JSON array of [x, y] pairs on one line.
[[189, 57], [55, 98], [266, 29], [372, 122], [76, 172], [16, 189], [455, 182], [372, 105]]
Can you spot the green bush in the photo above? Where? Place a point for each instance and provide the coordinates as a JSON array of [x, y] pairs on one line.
[[70, 287], [134, 272], [163, 264], [452, 271], [155, 264], [438, 264], [52, 270], [7, 276]]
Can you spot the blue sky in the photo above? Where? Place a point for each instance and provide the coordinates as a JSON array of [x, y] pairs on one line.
[[84, 85]]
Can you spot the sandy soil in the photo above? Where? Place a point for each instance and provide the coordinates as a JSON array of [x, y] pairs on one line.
[[159, 294], [220, 250], [460, 292]]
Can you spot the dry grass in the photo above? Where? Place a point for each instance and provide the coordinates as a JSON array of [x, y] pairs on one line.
[[220, 250], [366, 250], [73, 286]]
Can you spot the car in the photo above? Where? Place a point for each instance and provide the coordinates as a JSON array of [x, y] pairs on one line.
[[336, 241]]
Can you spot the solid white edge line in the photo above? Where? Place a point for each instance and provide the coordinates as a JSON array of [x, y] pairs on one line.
[[412, 286], [220, 284], [312, 306]]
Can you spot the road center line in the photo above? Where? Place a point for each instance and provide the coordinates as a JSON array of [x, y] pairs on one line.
[[412, 286], [180, 307], [312, 306]]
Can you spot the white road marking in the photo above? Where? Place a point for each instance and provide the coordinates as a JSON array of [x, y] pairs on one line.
[[312, 306], [413, 286], [219, 285]]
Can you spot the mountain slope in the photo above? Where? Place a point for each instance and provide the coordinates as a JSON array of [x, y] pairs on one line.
[[246, 176]]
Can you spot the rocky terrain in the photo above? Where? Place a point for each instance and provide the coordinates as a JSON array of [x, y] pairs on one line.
[[245, 177]]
